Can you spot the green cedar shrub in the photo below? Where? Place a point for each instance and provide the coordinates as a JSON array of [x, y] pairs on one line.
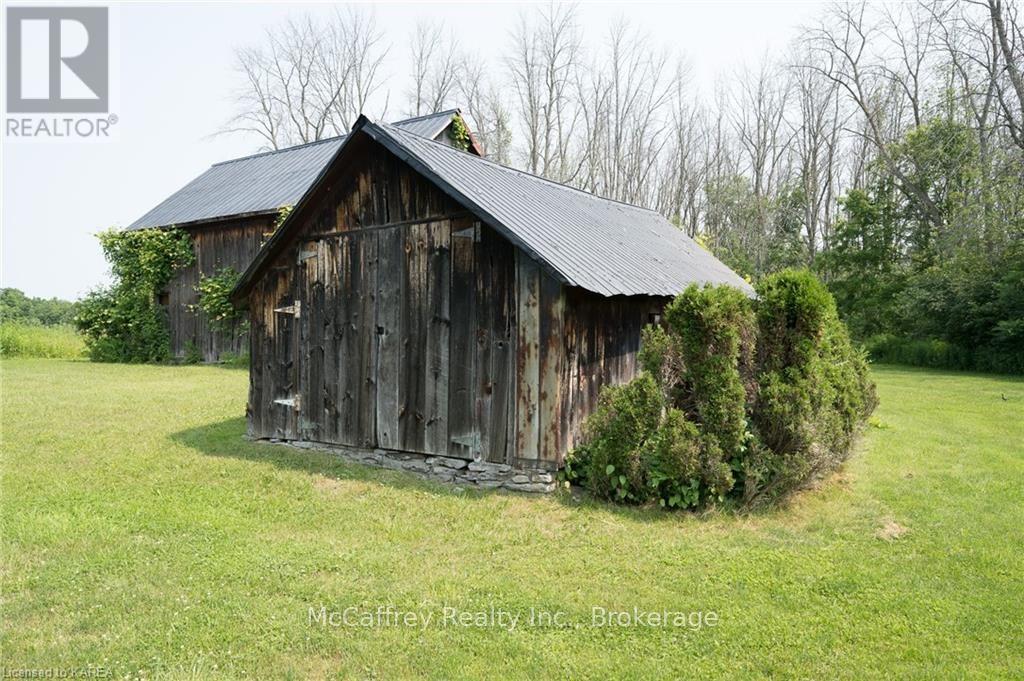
[[715, 329], [738, 400], [619, 432], [674, 467]]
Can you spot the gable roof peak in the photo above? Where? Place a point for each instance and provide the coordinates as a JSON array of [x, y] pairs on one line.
[[604, 246]]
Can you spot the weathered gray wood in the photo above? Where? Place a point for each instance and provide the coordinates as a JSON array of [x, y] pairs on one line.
[[431, 342], [438, 337], [348, 344], [496, 284], [464, 438], [389, 334], [327, 253], [414, 311], [527, 358], [366, 332], [552, 364], [310, 347], [231, 243]]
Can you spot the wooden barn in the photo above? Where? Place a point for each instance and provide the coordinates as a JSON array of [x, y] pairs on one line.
[[230, 210], [424, 301]]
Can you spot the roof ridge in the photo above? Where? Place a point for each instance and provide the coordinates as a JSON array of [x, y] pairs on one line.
[[447, 112], [555, 183], [279, 151], [268, 152]]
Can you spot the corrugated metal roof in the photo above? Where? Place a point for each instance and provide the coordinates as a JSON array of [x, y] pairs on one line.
[[604, 246], [429, 126], [264, 182]]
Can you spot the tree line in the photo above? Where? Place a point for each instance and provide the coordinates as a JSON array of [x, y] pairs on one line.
[[883, 149], [17, 308]]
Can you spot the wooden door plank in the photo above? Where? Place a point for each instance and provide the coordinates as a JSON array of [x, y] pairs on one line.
[[464, 438], [389, 335], [366, 333], [412, 389], [437, 365]]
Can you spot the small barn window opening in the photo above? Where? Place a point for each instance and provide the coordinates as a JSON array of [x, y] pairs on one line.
[[654, 318], [163, 298]]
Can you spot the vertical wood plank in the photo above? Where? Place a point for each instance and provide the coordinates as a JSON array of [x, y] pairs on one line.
[[463, 429], [389, 334], [528, 358], [552, 363], [348, 361], [498, 334], [414, 311], [437, 366], [327, 251], [366, 334]]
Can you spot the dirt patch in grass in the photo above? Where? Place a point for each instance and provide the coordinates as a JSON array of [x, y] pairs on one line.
[[891, 531]]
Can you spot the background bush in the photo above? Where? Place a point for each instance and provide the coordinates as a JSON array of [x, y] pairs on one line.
[[738, 400], [123, 322]]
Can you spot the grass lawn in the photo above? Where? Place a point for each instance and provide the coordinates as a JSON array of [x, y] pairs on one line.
[[142, 535]]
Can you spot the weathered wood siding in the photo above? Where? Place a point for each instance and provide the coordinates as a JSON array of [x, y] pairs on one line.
[[601, 340], [217, 245], [393, 318], [392, 344]]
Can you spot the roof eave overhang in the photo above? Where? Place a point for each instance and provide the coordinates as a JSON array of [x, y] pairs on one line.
[[210, 222]]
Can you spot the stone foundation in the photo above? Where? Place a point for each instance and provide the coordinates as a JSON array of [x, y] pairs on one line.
[[479, 474]]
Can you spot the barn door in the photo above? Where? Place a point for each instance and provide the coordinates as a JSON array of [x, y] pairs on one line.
[[413, 322], [336, 340]]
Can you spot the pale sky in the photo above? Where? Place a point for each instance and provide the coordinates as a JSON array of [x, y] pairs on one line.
[[173, 87]]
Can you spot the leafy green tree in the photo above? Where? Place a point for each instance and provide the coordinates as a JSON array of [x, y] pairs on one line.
[[15, 306]]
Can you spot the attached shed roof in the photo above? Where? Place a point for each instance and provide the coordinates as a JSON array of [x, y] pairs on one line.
[[262, 183], [597, 244]]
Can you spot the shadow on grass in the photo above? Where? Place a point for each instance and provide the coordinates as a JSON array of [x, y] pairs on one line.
[[227, 439]]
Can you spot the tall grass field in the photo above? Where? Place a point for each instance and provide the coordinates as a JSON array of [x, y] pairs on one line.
[[48, 342], [143, 537]]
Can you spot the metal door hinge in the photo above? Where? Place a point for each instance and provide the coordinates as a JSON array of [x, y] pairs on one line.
[[293, 402], [294, 309]]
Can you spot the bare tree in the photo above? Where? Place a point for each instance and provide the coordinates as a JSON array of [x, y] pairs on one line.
[[816, 134], [542, 68], [308, 80], [490, 119], [683, 175], [910, 30], [358, 45], [843, 52], [1009, 38], [630, 90], [436, 66], [758, 109]]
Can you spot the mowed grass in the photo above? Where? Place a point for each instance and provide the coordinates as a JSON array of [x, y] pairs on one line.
[[142, 535]]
